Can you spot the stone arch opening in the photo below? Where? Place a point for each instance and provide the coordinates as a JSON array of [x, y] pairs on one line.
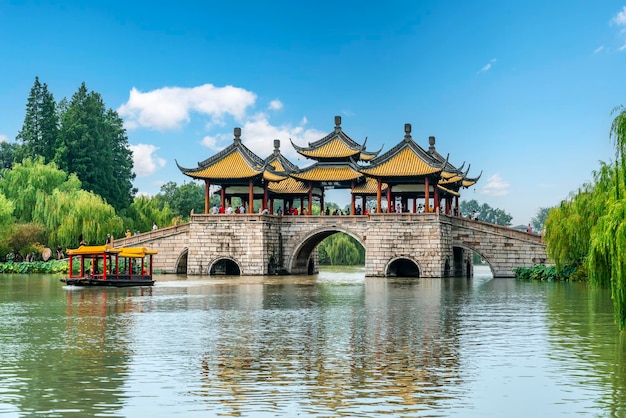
[[225, 267], [302, 260], [466, 258], [402, 267], [181, 262]]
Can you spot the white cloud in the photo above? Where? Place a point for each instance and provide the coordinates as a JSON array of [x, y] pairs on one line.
[[487, 67], [258, 134], [620, 18], [622, 48], [598, 49], [145, 161], [496, 186], [170, 107], [4, 138], [275, 105]]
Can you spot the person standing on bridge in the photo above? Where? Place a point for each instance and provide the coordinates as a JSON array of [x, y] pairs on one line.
[[154, 226]]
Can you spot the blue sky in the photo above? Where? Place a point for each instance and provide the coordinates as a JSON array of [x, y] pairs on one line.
[[521, 90]]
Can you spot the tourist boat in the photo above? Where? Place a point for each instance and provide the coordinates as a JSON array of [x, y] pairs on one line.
[[107, 266]]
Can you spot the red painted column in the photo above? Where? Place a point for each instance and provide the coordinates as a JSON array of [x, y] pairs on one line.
[[250, 197], [264, 205], [378, 195], [207, 196], [310, 197], [426, 195]]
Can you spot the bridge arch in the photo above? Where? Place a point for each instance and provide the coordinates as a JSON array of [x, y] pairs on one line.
[[300, 261], [402, 266], [224, 266], [180, 267], [477, 251]]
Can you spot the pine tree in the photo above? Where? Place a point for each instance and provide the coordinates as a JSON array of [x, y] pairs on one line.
[[41, 124], [93, 144]]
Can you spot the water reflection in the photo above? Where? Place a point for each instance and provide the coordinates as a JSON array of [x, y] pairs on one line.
[[336, 344]]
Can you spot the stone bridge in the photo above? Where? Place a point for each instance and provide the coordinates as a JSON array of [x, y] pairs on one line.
[[406, 244]]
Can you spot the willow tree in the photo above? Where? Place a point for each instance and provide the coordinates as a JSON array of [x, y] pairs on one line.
[[69, 215], [146, 211], [607, 255], [31, 180]]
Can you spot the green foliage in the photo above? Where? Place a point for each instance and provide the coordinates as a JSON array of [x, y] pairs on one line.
[[67, 215], [545, 273], [589, 229], [341, 249], [28, 182], [485, 212], [93, 144], [539, 220], [8, 151], [35, 267], [24, 238], [41, 125], [6, 213], [148, 210]]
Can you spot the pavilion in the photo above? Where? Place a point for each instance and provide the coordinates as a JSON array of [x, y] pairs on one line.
[[406, 174]]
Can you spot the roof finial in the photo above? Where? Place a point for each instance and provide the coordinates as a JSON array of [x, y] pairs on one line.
[[407, 131], [337, 123], [431, 142], [276, 146], [237, 135]]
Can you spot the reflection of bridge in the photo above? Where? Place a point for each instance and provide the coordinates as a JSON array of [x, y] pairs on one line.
[[405, 244]]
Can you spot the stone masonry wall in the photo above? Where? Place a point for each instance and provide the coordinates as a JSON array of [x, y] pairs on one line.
[[422, 239], [249, 240]]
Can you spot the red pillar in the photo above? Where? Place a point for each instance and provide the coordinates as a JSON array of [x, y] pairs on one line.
[[223, 193], [436, 197], [250, 197], [310, 197], [426, 195], [264, 205], [207, 196], [378, 195]]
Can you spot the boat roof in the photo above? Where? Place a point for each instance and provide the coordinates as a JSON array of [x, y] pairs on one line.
[[130, 252]]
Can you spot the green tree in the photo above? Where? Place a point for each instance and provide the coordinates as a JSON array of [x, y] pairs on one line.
[[588, 231], [341, 249], [26, 237], [485, 212], [41, 125], [187, 197], [8, 151], [93, 145], [70, 214], [30, 180], [145, 211], [539, 220]]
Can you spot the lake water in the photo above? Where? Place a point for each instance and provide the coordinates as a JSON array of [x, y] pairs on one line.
[[335, 344]]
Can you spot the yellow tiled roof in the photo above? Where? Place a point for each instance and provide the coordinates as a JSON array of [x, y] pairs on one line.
[[332, 173], [277, 165], [272, 176], [367, 157], [369, 187], [288, 186], [452, 192], [335, 148], [468, 183], [233, 166], [451, 180], [405, 163]]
